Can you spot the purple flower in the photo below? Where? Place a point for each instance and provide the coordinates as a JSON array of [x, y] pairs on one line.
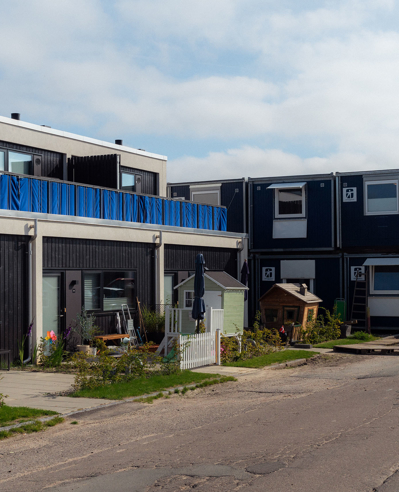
[[67, 332], [30, 330]]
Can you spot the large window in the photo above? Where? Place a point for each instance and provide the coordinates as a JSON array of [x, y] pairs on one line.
[[107, 291], [385, 279], [16, 162], [381, 197]]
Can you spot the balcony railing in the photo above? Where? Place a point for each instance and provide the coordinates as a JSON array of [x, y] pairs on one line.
[[63, 198]]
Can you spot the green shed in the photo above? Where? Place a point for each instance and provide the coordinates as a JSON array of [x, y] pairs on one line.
[[222, 292]]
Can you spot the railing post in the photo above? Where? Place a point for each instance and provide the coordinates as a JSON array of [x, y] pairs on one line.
[[218, 347]]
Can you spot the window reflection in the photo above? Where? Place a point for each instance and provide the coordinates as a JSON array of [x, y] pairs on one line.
[[19, 163]]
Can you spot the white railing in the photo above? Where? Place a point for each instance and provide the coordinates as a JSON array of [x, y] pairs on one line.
[[173, 320], [197, 350]]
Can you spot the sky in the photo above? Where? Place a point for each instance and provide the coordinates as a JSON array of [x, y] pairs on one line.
[[225, 89]]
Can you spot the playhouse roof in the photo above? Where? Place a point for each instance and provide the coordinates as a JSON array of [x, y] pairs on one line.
[[222, 279], [294, 289]]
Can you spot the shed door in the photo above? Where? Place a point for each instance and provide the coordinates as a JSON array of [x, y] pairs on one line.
[[212, 299]]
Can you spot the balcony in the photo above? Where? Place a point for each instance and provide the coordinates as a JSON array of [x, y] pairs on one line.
[[47, 196]]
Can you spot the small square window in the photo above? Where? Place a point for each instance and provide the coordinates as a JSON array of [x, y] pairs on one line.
[[271, 315], [188, 299], [381, 197], [128, 182]]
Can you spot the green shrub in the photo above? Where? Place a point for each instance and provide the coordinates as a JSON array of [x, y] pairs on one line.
[[154, 322], [323, 328], [250, 344]]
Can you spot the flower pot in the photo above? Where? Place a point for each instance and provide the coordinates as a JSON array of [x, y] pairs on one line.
[[83, 348], [92, 351]]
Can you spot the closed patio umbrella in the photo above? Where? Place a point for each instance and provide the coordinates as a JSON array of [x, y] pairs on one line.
[[199, 290]]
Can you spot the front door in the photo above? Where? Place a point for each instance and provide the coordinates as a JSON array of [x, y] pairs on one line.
[[52, 306], [212, 299]]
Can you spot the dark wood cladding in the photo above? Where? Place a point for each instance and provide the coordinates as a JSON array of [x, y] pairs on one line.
[[95, 170], [52, 162], [14, 297], [149, 180], [89, 254], [183, 258]]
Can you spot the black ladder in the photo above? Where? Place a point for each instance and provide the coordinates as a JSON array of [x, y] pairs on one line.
[[359, 303]]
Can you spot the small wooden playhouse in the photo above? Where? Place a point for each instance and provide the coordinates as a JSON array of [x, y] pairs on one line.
[[285, 304], [222, 292]]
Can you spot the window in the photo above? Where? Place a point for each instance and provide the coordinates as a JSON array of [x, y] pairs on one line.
[[381, 197], [385, 279], [16, 162], [289, 200], [206, 194], [128, 182], [310, 315], [188, 299], [271, 315], [19, 163], [290, 203], [107, 291], [290, 314]]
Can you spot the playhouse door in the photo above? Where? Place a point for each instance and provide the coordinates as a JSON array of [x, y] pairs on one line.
[[212, 299]]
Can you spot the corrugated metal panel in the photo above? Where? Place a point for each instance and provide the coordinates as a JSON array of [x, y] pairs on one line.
[[182, 191], [232, 197], [87, 254], [13, 291], [179, 257], [148, 180]]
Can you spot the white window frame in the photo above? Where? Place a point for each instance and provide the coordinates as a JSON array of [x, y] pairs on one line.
[[387, 181], [188, 291], [287, 187], [209, 192], [379, 292]]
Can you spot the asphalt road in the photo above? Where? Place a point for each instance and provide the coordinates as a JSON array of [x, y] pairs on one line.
[[326, 426]]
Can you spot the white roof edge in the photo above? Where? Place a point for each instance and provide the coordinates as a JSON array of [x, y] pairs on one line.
[[381, 262], [73, 136], [215, 281], [287, 185]]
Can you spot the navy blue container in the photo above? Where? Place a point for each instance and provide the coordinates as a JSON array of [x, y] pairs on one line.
[[313, 229]]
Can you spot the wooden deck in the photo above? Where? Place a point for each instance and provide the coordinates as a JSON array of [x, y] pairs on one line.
[[387, 346]]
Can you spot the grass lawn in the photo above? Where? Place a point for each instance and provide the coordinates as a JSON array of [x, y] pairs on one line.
[[344, 341], [35, 426], [273, 358], [143, 386], [16, 415]]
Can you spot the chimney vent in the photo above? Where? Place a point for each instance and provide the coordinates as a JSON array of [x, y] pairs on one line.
[[119, 142], [303, 289], [15, 116]]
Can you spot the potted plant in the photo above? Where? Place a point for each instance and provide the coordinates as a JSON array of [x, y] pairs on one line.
[[85, 327]]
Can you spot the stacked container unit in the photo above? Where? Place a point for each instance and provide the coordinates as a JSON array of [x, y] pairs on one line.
[[293, 235], [368, 222]]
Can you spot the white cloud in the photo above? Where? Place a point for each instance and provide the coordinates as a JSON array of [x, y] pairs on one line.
[[256, 162]]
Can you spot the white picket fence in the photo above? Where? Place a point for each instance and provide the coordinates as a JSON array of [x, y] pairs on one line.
[[199, 350]]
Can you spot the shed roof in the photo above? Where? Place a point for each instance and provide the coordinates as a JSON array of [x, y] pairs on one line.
[[221, 278], [294, 289]]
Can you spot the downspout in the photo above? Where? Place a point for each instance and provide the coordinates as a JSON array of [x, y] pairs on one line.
[[30, 282], [157, 245]]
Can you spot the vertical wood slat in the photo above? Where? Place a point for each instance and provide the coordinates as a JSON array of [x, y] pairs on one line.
[[13, 292], [197, 350]]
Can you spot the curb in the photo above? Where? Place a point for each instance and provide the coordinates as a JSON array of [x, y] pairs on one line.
[[99, 407]]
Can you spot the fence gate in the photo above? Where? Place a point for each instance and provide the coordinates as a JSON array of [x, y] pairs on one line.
[[197, 350]]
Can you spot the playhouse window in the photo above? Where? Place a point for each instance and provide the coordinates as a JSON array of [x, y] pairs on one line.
[[381, 197], [290, 314], [271, 315], [188, 299]]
